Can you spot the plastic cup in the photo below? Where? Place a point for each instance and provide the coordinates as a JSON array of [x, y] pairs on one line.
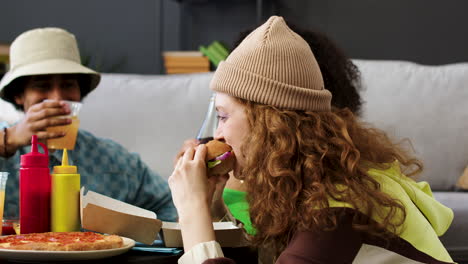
[[71, 130], [3, 179]]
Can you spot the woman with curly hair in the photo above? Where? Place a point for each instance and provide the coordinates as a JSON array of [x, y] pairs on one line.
[[340, 76], [322, 186]]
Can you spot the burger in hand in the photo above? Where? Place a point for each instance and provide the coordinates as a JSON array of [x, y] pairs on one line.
[[220, 158]]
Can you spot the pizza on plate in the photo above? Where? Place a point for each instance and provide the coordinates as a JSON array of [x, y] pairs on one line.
[[61, 241]]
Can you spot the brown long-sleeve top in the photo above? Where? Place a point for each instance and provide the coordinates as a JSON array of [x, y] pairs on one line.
[[345, 245], [416, 240]]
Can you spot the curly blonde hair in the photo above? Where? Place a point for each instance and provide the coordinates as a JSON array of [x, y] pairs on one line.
[[296, 159]]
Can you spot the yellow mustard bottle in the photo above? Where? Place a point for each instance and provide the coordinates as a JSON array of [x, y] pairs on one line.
[[65, 197]]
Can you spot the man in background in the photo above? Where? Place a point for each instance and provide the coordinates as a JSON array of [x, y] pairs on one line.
[[45, 65]]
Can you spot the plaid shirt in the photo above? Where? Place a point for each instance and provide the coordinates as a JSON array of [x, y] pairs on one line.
[[105, 167]]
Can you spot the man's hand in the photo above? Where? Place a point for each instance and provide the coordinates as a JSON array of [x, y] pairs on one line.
[[37, 118]]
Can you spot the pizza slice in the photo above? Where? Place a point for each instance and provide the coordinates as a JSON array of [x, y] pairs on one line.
[[61, 241]]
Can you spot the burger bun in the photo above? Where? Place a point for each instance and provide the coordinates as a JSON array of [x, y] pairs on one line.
[[217, 148]]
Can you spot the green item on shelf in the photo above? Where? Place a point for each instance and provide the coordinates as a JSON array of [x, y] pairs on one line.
[[220, 48], [216, 52]]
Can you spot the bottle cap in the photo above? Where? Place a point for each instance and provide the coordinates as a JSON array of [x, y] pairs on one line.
[[35, 158], [65, 168]]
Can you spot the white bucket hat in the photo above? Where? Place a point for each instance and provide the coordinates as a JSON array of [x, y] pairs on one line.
[[44, 51]]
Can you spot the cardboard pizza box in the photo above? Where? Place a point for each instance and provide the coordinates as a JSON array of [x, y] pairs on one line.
[[227, 234], [103, 214]]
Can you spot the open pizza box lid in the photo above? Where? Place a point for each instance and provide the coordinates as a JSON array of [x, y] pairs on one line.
[[103, 214], [227, 234]]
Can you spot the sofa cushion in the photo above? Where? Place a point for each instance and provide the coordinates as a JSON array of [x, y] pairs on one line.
[[148, 114], [426, 104], [455, 238]]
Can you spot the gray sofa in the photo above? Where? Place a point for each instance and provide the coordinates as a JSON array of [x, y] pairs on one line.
[[429, 106], [153, 114]]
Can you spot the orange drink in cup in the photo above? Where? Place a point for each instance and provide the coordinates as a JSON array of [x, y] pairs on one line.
[[3, 179], [71, 130]]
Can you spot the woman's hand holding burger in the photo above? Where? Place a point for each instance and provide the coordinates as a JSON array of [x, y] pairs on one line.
[[192, 193], [216, 149], [193, 186], [189, 182]]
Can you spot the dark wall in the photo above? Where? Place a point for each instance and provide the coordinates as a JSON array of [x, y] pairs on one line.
[[205, 21], [128, 36], [424, 31], [115, 35]]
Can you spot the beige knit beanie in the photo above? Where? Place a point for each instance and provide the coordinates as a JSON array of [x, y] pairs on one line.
[[273, 65]]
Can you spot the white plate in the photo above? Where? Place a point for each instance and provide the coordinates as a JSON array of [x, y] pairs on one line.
[[35, 255]]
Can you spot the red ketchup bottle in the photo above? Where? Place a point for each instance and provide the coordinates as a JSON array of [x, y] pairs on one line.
[[35, 187]]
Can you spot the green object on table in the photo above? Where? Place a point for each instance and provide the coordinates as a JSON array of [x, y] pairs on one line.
[[216, 52], [239, 207]]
